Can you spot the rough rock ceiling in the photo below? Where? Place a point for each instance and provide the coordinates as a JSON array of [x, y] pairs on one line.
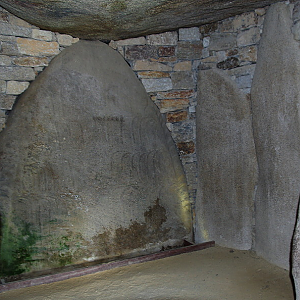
[[119, 19]]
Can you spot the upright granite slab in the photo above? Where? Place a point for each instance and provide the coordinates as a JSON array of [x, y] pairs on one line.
[[275, 103], [88, 168], [226, 162]]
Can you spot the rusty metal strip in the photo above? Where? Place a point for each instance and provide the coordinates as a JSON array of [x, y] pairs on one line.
[[103, 267]]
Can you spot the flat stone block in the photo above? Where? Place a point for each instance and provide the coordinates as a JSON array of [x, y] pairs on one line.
[[31, 61], [64, 40], [153, 74], [241, 71], [183, 66], [167, 105], [14, 30], [7, 101], [222, 41], [177, 116], [175, 94], [9, 48], [37, 48], [186, 147], [166, 51], [17, 73], [167, 38], [182, 80], [184, 131], [156, 85], [244, 21], [206, 41], [141, 52], [189, 50], [43, 35], [244, 81], [189, 34], [5, 60], [248, 53], [143, 65], [16, 87], [209, 59], [248, 37]]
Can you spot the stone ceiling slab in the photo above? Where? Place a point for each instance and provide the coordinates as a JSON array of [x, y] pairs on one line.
[[119, 19]]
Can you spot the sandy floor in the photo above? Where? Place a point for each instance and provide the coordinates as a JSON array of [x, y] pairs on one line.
[[211, 274]]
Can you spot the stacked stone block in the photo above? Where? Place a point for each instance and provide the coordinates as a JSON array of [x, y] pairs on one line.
[[24, 52]]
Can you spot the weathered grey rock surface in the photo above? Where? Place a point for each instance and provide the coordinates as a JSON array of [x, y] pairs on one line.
[[276, 116], [295, 263], [88, 168], [226, 161], [120, 19]]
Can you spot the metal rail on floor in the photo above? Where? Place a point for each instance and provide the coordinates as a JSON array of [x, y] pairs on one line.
[[102, 267]]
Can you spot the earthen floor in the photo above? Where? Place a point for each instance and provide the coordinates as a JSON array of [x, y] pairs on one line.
[[211, 274]]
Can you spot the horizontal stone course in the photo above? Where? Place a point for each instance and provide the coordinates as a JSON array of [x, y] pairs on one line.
[[16, 87], [145, 65], [177, 116], [167, 38], [37, 48], [153, 74], [156, 85], [5, 60], [42, 35], [189, 50], [167, 105], [31, 61], [175, 94], [182, 80], [14, 30], [17, 73]]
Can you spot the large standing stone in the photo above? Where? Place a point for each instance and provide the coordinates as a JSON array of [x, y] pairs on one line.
[[226, 162], [118, 19], [275, 102], [88, 168]]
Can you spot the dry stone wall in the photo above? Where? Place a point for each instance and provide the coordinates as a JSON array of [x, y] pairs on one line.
[[24, 52], [167, 64]]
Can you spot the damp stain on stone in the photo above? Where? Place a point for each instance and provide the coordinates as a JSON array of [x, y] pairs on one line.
[[17, 247], [138, 235], [67, 249]]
